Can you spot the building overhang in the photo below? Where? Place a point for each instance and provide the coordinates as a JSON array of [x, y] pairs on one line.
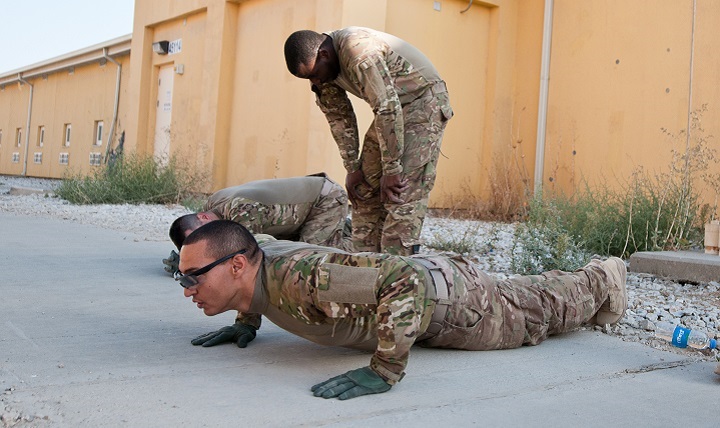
[[117, 47]]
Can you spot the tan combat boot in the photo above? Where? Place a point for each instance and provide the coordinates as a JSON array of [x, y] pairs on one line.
[[613, 309]]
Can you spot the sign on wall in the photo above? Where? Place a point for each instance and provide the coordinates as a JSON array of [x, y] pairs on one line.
[[175, 46]]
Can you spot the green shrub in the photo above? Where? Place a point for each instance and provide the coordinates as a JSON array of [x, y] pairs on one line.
[[133, 179], [648, 213], [544, 243]]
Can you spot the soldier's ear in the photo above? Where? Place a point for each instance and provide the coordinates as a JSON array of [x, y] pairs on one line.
[[239, 262]]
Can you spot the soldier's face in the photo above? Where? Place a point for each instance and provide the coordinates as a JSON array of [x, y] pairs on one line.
[[214, 292], [325, 68]]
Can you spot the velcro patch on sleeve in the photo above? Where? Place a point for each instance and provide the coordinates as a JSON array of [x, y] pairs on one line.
[[347, 284]]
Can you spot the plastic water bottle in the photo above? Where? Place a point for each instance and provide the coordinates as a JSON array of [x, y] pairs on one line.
[[683, 337]]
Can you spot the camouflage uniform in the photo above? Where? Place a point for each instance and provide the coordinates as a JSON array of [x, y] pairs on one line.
[[310, 209], [387, 303], [411, 107]]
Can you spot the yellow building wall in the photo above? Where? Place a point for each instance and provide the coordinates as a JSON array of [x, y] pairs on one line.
[[200, 120], [62, 93], [705, 89], [14, 99], [620, 72], [257, 121]]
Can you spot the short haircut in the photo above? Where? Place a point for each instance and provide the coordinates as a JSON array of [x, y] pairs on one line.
[[181, 226], [226, 237], [301, 47]]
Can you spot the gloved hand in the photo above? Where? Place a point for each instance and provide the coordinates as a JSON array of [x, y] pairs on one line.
[[352, 384], [172, 262], [240, 333]]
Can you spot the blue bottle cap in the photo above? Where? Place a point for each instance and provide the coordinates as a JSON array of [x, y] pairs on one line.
[[713, 344]]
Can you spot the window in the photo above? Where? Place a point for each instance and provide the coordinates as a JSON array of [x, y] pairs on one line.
[[95, 158], [18, 137], [16, 157], [64, 157], [68, 128], [98, 132], [37, 157], [41, 136]]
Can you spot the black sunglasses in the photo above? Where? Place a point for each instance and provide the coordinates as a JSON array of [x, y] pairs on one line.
[[190, 280]]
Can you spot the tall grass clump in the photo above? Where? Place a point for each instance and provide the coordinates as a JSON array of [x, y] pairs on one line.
[[649, 212], [132, 179]]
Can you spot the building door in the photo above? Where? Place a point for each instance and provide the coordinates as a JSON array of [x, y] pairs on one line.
[[163, 113]]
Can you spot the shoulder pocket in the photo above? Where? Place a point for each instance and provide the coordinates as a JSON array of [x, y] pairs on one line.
[[347, 284]]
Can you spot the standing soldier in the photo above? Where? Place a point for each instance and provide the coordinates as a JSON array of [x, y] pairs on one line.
[[390, 181], [387, 303]]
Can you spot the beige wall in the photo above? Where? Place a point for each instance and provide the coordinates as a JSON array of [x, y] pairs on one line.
[[619, 72], [258, 121], [77, 89]]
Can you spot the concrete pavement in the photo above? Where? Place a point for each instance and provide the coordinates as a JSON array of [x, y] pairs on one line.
[[94, 333]]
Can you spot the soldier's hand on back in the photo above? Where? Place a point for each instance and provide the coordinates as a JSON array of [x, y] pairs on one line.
[[172, 262], [239, 333], [352, 384]]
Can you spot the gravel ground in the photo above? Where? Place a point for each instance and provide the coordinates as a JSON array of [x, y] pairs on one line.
[[650, 298]]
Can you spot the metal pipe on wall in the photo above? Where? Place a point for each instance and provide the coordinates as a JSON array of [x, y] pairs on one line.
[[117, 102], [690, 91], [27, 130], [543, 102]]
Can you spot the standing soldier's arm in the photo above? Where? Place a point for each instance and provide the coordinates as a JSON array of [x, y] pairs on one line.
[[373, 75], [335, 104]]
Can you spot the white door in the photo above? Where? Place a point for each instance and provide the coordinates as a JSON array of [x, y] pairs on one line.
[[163, 113]]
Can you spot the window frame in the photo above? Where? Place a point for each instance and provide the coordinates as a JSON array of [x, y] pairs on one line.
[[41, 136], [99, 128], [67, 135]]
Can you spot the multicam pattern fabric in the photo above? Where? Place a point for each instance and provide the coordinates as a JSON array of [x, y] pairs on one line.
[[259, 217], [395, 228], [316, 214], [309, 291], [411, 107], [489, 314], [326, 223]]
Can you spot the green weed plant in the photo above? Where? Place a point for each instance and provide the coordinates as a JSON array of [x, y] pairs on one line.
[[132, 179]]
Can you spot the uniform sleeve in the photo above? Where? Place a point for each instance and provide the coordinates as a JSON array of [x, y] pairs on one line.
[[246, 212], [399, 316], [397, 293], [335, 105], [253, 320], [374, 78]]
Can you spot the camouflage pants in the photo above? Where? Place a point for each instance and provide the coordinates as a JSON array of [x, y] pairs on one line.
[[325, 224], [395, 228], [487, 314]]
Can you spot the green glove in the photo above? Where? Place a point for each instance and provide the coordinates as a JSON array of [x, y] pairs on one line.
[[352, 384], [240, 333], [172, 262]]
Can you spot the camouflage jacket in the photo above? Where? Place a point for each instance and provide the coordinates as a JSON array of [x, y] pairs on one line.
[[363, 300], [277, 207], [385, 71]]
